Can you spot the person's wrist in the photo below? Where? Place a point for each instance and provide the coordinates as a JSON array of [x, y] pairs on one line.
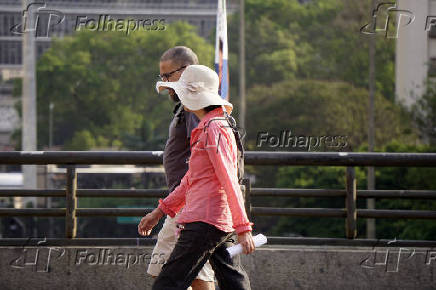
[[243, 229], [244, 233], [158, 213]]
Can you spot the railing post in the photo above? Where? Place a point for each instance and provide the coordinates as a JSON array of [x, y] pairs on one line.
[[350, 204], [71, 203], [247, 184]]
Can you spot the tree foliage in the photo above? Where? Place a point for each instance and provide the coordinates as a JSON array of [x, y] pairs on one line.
[[319, 40], [424, 112], [102, 87], [318, 108]]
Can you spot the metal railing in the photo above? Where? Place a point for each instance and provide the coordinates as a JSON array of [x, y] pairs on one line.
[[350, 212]]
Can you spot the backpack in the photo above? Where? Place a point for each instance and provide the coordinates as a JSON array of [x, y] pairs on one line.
[[239, 145], [240, 148]]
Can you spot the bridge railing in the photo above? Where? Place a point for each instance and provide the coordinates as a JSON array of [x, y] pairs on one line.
[[350, 212]]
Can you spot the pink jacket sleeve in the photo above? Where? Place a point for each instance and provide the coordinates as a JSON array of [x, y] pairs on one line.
[[175, 201], [221, 148]]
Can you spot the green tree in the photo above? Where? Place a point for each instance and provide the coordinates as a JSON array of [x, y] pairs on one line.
[[424, 112], [318, 108], [312, 177], [319, 40], [399, 178], [412, 178], [102, 86]]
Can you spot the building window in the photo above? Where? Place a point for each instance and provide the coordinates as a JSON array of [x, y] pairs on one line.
[[432, 33], [432, 68]]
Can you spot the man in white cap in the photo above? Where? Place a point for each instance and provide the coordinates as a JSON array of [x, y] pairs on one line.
[[176, 153], [209, 197]]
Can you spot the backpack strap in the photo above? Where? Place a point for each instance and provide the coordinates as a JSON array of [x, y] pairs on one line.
[[240, 153], [232, 124]]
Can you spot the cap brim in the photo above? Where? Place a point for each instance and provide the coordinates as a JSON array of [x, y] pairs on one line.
[[206, 99], [162, 85], [191, 100]]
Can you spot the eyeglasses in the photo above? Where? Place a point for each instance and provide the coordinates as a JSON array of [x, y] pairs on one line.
[[168, 75]]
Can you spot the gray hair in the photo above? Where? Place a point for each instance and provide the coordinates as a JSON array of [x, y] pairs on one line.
[[180, 55]]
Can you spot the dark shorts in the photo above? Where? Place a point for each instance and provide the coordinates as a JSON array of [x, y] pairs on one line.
[[199, 242]]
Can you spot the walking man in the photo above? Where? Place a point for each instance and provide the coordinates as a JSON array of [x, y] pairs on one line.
[[176, 154]]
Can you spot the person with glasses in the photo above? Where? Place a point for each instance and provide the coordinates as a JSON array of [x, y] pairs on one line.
[[176, 154], [166, 76], [209, 199]]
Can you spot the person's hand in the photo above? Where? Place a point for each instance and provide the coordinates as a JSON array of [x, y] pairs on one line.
[[247, 243], [148, 222]]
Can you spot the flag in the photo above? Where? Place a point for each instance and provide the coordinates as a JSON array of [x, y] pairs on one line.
[[221, 50]]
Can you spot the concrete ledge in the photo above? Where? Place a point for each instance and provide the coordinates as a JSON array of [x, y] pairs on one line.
[[272, 240], [270, 267]]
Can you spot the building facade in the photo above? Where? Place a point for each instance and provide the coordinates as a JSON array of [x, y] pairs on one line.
[[415, 49]]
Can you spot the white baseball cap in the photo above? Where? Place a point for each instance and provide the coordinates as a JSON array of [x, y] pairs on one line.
[[197, 88]]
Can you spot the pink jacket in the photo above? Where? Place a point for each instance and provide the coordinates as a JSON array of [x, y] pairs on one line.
[[209, 191]]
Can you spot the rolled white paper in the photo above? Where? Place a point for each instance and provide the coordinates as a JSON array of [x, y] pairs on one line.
[[259, 240]]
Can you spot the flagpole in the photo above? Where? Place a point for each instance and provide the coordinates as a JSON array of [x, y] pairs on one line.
[[29, 95], [242, 65], [370, 202], [221, 50]]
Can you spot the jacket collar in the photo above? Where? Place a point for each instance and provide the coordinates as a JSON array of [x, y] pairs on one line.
[[218, 112]]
